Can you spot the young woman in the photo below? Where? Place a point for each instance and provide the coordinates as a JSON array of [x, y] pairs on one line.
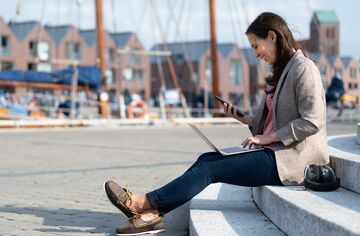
[[290, 123]]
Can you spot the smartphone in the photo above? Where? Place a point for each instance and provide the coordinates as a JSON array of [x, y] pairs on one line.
[[238, 113]]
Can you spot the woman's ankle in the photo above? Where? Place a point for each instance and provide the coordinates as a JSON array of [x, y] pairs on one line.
[[140, 203], [150, 214]]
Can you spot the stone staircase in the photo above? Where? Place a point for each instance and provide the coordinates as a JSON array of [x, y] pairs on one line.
[[277, 210]]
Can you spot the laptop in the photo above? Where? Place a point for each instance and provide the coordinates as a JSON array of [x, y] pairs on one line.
[[223, 151]]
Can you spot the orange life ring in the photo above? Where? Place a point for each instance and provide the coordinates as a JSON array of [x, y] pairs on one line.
[[137, 109]]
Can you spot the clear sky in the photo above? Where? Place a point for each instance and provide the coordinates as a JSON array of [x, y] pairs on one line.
[[189, 19]]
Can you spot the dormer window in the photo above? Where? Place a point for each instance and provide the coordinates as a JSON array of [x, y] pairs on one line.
[[5, 46], [39, 50], [73, 51]]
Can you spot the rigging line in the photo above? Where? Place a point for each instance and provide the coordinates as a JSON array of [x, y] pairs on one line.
[[113, 12], [142, 17], [245, 10], [240, 26], [58, 12], [168, 21], [41, 28], [189, 26], [177, 23], [309, 6], [78, 3], [131, 11], [235, 19], [175, 19], [232, 20], [166, 48], [161, 73], [157, 57], [260, 67]]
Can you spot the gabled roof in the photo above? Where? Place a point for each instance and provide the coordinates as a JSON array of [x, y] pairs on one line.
[[226, 48], [346, 61], [331, 59], [57, 33], [250, 56], [22, 29], [315, 56], [121, 38], [89, 36], [327, 17], [194, 50]]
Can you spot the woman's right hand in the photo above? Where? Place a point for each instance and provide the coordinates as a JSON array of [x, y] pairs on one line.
[[230, 110]]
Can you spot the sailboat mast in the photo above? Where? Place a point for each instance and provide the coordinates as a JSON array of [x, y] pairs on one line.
[[100, 39], [214, 58]]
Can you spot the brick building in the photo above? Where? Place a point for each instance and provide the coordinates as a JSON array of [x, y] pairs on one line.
[[70, 47], [325, 32], [7, 47], [351, 77], [192, 62], [133, 71], [34, 46]]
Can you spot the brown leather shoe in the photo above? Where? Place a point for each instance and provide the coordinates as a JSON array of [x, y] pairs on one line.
[[120, 197], [138, 226]]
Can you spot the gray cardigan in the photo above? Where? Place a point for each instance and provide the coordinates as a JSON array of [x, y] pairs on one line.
[[299, 120]]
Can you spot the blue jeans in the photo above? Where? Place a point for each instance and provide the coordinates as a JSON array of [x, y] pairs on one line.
[[247, 169]]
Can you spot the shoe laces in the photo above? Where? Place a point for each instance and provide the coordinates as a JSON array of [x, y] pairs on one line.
[[127, 195], [133, 218]]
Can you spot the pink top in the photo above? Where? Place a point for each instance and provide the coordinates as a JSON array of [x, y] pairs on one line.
[[268, 125]]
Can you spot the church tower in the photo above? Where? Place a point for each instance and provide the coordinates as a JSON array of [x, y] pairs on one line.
[[324, 33]]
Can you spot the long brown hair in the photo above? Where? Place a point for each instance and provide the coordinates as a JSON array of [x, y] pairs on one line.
[[285, 42]]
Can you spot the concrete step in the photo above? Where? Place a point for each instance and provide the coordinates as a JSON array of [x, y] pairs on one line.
[[297, 211], [223, 209], [344, 154]]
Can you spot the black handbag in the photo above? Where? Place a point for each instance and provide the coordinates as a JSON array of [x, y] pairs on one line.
[[320, 178]]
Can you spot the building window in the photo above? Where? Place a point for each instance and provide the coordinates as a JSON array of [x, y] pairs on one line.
[[43, 51], [39, 50], [195, 77], [6, 65], [109, 77], [353, 73], [327, 33], [178, 59], [138, 75], [338, 73], [73, 51], [333, 33], [44, 67], [236, 72], [133, 60], [353, 86], [323, 70], [110, 55], [32, 49], [31, 66], [5, 46]]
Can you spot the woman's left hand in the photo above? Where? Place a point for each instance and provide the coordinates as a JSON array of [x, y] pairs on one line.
[[260, 140]]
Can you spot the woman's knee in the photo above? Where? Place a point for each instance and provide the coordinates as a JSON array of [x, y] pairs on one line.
[[206, 155]]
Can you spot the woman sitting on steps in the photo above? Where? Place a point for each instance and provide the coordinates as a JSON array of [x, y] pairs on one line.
[[290, 124]]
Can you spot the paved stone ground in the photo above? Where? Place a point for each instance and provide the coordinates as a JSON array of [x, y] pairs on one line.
[[51, 181]]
